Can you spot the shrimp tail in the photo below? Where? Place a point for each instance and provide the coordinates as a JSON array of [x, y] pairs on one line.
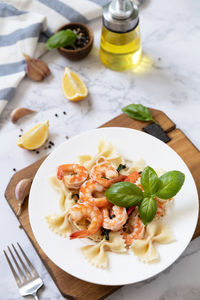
[[60, 173], [79, 234]]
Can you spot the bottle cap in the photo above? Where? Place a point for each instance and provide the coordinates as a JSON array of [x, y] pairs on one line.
[[120, 16]]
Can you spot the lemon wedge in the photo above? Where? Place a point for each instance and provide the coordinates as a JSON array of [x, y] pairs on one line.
[[35, 137], [73, 86]]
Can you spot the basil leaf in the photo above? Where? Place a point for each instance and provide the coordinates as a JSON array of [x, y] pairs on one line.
[[124, 194], [170, 184], [149, 180], [148, 209], [138, 112], [61, 38], [120, 167]]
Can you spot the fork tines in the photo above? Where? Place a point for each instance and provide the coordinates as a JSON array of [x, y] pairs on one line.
[[24, 274]]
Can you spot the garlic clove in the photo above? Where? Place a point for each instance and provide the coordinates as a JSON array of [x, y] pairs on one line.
[[42, 66], [33, 72], [22, 191], [36, 69], [19, 113]]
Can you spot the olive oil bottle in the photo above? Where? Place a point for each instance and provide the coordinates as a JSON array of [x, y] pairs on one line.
[[120, 39]]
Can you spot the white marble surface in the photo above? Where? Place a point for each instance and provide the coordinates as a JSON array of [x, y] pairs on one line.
[[169, 80]]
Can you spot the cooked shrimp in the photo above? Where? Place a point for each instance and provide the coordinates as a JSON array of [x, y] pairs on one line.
[[73, 175], [133, 177], [135, 229], [103, 173], [87, 190], [119, 217], [86, 211], [161, 208]]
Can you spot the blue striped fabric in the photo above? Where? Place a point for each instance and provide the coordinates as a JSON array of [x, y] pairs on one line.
[[65, 10], [12, 68], [7, 93], [33, 30], [23, 29], [100, 2], [9, 10]]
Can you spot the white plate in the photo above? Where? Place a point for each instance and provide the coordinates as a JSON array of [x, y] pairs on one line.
[[123, 268]]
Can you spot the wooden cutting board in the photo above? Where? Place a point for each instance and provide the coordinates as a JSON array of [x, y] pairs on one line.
[[69, 286]]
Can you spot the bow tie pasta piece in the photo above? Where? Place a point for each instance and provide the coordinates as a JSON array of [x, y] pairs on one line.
[[59, 223], [65, 200], [106, 151], [156, 232], [96, 254], [137, 165]]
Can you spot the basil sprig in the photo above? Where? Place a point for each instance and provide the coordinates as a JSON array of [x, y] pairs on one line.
[[170, 184], [138, 112], [148, 209], [61, 38], [149, 181], [126, 194]]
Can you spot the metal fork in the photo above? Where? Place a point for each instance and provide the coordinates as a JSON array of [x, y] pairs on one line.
[[29, 284]]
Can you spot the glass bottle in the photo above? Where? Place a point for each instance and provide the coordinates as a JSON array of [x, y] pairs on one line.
[[120, 39]]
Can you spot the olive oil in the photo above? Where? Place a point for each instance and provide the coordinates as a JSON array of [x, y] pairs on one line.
[[120, 39], [120, 51]]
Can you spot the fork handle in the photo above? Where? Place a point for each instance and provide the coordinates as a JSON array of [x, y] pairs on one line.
[[35, 296]]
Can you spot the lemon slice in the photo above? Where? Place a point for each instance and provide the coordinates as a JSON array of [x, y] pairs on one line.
[[35, 137], [73, 86]]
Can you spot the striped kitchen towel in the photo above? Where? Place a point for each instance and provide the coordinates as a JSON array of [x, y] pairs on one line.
[[25, 25]]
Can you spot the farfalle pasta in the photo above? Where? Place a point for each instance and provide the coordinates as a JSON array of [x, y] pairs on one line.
[[156, 233], [97, 254], [59, 223], [65, 200], [106, 152], [85, 211]]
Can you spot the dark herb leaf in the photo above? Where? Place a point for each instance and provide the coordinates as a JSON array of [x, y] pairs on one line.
[[149, 181], [75, 197], [120, 167], [170, 184], [148, 209], [105, 232], [138, 112], [61, 38], [124, 194]]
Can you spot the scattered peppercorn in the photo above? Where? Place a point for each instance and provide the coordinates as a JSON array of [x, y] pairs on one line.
[[56, 115], [20, 135], [37, 152], [21, 129], [14, 169], [51, 143], [49, 146], [66, 137], [64, 113]]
